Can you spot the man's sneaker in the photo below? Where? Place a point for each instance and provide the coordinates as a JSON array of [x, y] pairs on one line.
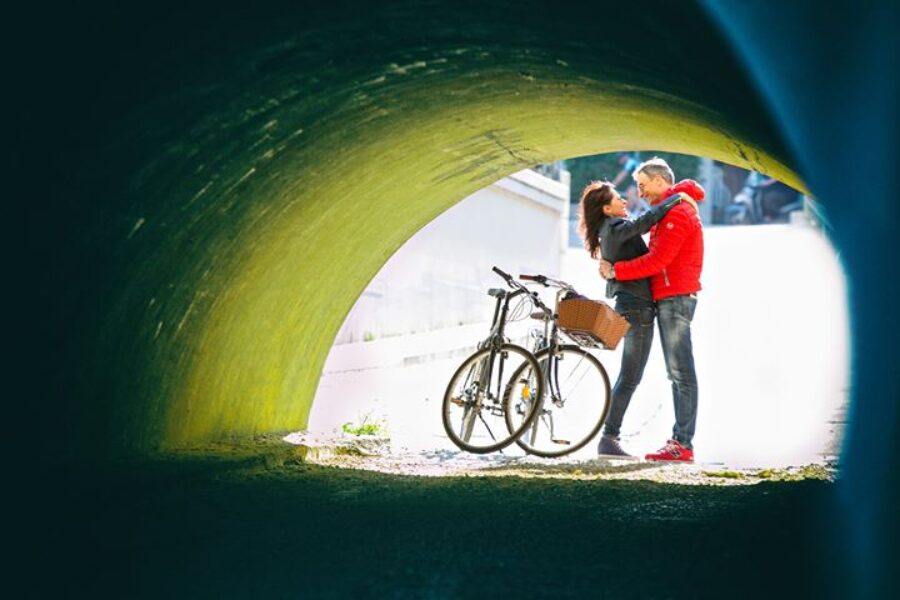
[[672, 452], [609, 447]]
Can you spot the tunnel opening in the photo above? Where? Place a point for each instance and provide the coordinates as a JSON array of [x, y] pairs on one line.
[[771, 337]]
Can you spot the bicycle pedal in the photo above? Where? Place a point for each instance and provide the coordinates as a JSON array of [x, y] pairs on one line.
[[458, 401], [561, 442]]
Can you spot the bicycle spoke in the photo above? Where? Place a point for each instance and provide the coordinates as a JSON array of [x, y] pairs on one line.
[[584, 373], [578, 364], [470, 376]]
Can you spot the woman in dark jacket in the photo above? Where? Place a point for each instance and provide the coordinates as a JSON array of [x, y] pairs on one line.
[[608, 233]]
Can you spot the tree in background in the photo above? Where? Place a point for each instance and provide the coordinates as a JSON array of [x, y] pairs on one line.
[[585, 169]]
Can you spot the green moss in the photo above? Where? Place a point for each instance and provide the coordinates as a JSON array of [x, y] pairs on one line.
[[805, 472], [724, 474], [364, 428]]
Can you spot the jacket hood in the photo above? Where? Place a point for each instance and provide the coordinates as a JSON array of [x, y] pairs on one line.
[[689, 187]]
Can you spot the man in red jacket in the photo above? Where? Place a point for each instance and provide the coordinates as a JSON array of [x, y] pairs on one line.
[[673, 263]]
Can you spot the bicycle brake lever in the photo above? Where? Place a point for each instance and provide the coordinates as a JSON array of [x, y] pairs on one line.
[[541, 279]]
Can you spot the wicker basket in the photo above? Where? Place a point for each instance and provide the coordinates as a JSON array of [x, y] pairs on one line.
[[590, 322]]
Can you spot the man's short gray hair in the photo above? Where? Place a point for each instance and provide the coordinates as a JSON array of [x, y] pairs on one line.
[[655, 166]]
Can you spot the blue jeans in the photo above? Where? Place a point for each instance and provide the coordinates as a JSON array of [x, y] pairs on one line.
[[640, 314], [675, 315]]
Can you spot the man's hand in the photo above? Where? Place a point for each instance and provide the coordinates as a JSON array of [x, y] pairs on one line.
[[606, 269]]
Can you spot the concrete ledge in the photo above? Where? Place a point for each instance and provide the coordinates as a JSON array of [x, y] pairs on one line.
[[403, 350]]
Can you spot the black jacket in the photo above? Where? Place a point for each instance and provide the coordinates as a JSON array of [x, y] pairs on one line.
[[620, 239]]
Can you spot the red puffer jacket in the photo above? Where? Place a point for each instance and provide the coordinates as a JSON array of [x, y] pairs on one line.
[[675, 259]]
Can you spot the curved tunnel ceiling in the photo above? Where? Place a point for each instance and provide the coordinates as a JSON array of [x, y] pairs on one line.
[[259, 170]]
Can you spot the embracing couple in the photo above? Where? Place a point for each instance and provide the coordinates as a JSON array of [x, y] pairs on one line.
[[656, 283]]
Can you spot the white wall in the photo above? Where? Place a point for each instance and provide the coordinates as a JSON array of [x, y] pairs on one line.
[[439, 278]]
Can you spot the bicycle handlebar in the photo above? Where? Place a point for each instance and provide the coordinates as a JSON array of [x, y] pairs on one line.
[[542, 279], [502, 274], [547, 281], [511, 282]]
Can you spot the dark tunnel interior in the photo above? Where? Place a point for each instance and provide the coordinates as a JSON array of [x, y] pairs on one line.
[[206, 190]]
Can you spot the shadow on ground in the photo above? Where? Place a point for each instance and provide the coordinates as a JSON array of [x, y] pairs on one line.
[[202, 527]]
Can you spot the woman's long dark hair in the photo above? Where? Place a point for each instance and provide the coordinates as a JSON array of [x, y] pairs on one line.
[[595, 196]]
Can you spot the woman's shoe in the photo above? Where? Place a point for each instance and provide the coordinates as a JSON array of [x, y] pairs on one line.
[[609, 448]]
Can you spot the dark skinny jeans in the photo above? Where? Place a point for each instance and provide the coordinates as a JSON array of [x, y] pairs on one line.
[[640, 314], [675, 315]]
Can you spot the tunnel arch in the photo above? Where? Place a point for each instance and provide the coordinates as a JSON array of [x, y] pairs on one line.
[[255, 197], [106, 99], [308, 276]]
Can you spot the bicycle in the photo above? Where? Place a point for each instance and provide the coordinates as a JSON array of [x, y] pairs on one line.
[[577, 385], [473, 411]]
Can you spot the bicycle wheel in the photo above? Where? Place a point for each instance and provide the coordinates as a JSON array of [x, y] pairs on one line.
[[473, 403], [574, 405]]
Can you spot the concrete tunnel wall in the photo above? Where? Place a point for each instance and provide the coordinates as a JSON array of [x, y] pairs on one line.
[[830, 74], [252, 172], [237, 175]]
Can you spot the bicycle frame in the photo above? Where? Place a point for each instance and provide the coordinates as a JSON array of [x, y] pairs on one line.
[[550, 369], [495, 340]]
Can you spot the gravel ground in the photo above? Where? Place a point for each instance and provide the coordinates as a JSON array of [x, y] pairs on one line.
[[371, 453]]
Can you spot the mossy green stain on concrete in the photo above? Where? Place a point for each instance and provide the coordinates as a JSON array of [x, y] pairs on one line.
[[262, 355], [256, 203]]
